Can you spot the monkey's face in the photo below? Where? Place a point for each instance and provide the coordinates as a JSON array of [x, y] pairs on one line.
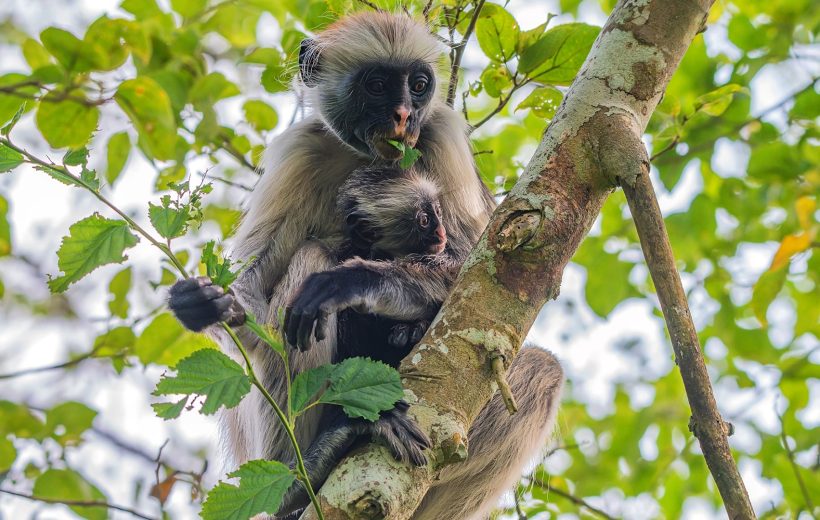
[[416, 231], [380, 102]]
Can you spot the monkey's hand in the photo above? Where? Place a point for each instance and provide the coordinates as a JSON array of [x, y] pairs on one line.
[[404, 336], [198, 303], [321, 295], [405, 440]]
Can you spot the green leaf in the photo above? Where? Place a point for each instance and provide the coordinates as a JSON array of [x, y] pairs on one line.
[[211, 374], [276, 78], [66, 123], [496, 80], [307, 384], [363, 388], [806, 106], [497, 33], [261, 487], [115, 344], [149, 107], [142, 8], [119, 146], [105, 36], [5, 231], [220, 273], [7, 454], [188, 8], [65, 484], [10, 104], [169, 410], [165, 342], [543, 101], [16, 419], [169, 222], [260, 115], [35, 54], [558, 55], [775, 161], [119, 287], [67, 422], [266, 334], [765, 291], [72, 53], [211, 88], [409, 155], [92, 242], [9, 159], [716, 102]]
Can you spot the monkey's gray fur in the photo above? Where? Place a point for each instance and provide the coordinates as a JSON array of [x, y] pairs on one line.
[[291, 229]]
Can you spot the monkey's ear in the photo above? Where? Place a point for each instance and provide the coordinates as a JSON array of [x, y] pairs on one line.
[[362, 234], [309, 62]]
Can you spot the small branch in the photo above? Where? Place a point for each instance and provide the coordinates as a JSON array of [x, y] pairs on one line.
[[371, 5], [572, 498], [796, 469], [707, 424], [236, 154], [459, 54], [502, 102], [500, 375], [48, 368], [78, 503]]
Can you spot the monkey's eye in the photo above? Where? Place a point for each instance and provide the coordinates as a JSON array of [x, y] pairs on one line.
[[419, 85], [423, 219], [375, 86]]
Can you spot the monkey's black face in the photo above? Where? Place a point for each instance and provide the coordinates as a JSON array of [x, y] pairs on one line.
[[381, 102], [430, 233]]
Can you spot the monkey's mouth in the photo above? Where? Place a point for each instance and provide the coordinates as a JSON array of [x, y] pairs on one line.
[[434, 249], [386, 150]]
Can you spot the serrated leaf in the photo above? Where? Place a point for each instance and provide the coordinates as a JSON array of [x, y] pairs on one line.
[[211, 374], [169, 410], [165, 342], [119, 146], [91, 243], [543, 101], [9, 159], [66, 123], [409, 155], [149, 108], [118, 287], [363, 387], [169, 222], [218, 271], [307, 384], [76, 157], [556, 57], [497, 33], [262, 484], [65, 484]]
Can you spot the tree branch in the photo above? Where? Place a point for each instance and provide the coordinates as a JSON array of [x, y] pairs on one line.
[[578, 501], [78, 503], [459, 53]]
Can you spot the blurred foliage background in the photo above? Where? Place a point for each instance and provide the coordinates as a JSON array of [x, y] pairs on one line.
[[170, 103]]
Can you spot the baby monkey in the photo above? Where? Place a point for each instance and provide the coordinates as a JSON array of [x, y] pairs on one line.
[[392, 220]]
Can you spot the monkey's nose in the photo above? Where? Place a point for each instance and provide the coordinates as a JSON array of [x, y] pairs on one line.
[[400, 117]]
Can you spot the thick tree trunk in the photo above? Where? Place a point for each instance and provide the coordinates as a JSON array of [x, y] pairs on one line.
[[592, 145]]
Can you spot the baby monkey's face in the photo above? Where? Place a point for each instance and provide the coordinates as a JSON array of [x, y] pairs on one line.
[[430, 236]]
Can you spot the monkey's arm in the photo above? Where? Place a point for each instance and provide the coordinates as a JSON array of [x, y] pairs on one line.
[[404, 290]]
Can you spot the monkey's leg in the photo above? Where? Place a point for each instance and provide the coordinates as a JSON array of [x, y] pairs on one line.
[[500, 444], [395, 428]]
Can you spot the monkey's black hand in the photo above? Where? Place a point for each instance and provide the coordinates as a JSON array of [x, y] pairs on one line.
[[405, 440], [404, 336], [197, 303], [321, 295]]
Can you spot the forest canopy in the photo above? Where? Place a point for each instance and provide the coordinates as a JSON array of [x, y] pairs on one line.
[[132, 133]]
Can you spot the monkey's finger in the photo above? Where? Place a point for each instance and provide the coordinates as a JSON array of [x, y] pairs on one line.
[[320, 329], [398, 337], [412, 439], [417, 332], [305, 329], [189, 284], [395, 446]]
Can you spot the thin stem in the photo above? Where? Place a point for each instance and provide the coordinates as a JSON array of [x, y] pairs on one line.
[[459, 53], [77, 503], [48, 368], [572, 498], [796, 469]]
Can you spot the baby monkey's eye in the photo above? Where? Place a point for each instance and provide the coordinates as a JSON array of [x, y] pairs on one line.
[[423, 219], [375, 86]]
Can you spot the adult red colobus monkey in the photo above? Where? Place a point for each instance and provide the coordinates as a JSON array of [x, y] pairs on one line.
[[369, 77]]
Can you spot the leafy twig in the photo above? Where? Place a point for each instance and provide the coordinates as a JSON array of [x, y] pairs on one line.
[[78, 503]]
